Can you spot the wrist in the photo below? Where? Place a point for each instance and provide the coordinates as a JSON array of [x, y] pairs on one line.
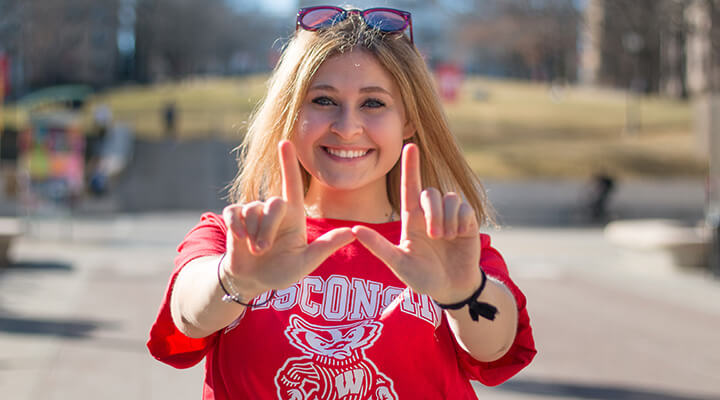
[[236, 289], [475, 308], [457, 294]]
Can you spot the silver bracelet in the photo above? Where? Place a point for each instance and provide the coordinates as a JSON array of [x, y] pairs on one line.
[[232, 295]]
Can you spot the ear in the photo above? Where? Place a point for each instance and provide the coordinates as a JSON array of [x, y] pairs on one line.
[[408, 130]]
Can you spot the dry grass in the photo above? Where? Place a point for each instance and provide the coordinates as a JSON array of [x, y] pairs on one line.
[[522, 130], [205, 107], [507, 129]]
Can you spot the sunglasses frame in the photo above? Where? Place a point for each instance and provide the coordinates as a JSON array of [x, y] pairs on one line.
[[363, 13]]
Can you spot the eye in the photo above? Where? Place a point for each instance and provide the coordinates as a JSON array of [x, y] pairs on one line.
[[373, 103], [323, 101]]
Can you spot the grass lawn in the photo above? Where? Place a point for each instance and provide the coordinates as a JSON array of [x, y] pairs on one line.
[[520, 130], [507, 129], [205, 107]]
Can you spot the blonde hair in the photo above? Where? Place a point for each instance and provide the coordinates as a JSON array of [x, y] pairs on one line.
[[442, 163]]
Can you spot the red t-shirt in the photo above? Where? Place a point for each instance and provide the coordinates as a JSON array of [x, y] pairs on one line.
[[349, 330]]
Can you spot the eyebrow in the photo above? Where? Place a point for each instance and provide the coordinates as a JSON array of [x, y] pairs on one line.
[[367, 89]]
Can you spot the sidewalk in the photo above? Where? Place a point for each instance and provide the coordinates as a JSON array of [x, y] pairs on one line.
[[609, 323], [74, 313]]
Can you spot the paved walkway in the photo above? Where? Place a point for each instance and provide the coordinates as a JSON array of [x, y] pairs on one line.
[[76, 307], [610, 323]]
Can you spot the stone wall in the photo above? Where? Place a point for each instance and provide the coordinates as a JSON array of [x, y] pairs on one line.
[[169, 175]]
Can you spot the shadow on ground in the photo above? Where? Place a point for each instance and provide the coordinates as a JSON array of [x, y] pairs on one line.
[[558, 390], [65, 328], [40, 265]]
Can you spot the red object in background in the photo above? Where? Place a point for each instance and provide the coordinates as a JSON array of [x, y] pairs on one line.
[[449, 78], [4, 75]]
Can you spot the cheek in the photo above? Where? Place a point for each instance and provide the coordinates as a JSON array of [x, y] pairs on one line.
[[302, 132], [308, 123], [388, 129], [304, 125]]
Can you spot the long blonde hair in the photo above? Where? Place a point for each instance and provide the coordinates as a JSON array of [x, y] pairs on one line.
[[442, 163]]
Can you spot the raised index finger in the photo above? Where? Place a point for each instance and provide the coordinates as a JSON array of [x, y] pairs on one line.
[[292, 186], [411, 181]]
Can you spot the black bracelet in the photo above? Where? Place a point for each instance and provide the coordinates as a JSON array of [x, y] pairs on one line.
[[234, 297], [475, 307]]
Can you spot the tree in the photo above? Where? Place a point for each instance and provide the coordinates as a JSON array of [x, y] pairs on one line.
[[61, 41], [174, 36], [527, 39], [177, 38]]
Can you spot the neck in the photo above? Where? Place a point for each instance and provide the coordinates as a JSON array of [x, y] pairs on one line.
[[354, 205]]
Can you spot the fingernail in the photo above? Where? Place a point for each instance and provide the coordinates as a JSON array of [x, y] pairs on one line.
[[260, 244]]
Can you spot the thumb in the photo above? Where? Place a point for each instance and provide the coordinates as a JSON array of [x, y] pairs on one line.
[[322, 247], [377, 244]]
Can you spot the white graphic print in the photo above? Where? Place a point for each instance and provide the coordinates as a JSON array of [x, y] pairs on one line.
[[334, 367], [338, 298]]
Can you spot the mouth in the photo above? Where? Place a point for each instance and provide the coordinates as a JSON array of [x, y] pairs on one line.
[[344, 154]]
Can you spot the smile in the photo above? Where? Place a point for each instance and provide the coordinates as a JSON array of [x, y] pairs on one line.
[[347, 154]]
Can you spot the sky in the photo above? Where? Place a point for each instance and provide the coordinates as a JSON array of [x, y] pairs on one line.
[[285, 7], [276, 7]]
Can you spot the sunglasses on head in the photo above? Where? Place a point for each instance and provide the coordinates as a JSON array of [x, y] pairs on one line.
[[383, 19]]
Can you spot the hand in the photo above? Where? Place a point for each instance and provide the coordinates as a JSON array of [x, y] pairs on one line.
[[439, 249], [267, 241]]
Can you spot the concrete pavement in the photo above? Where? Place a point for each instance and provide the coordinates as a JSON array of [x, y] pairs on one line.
[[77, 306], [610, 323]]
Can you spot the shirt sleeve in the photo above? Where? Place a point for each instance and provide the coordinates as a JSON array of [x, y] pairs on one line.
[[522, 350], [167, 343]]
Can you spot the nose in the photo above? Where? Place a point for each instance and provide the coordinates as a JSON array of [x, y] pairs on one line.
[[346, 123]]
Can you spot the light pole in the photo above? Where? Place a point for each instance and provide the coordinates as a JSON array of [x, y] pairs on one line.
[[633, 43], [712, 211]]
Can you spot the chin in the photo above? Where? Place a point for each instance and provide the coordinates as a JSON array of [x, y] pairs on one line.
[[345, 183]]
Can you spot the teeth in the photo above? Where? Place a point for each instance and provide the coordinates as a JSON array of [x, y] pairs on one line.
[[346, 153]]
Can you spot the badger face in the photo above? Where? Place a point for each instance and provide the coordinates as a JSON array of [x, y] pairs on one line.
[[338, 342]]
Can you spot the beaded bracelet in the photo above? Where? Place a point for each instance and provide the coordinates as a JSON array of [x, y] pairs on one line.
[[475, 308], [236, 297]]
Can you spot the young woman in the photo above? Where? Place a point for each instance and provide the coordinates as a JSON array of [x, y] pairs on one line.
[[350, 264]]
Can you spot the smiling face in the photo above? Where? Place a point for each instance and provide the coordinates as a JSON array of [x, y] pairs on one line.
[[351, 125]]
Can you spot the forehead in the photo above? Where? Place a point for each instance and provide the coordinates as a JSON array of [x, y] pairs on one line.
[[354, 69]]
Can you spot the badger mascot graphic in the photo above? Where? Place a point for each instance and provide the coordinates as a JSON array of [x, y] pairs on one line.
[[334, 366]]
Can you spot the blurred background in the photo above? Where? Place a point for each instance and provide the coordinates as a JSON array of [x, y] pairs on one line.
[[594, 124]]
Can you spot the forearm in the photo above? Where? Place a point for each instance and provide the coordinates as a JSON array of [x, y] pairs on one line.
[[484, 339], [196, 301]]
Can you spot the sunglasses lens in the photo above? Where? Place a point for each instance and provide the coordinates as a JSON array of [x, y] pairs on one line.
[[319, 18], [386, 21]]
